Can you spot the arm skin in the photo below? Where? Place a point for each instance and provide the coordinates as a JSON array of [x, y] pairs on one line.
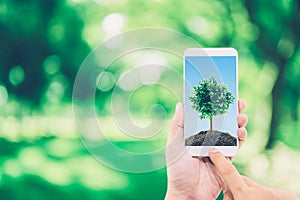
[[193, 177], [241, 187]]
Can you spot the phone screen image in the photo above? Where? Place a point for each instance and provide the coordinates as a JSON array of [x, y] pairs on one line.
[[210, 98]]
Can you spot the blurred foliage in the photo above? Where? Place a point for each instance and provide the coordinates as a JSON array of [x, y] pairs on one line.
[[43, 43]]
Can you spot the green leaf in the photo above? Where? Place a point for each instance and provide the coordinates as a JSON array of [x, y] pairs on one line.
[[211, 98]]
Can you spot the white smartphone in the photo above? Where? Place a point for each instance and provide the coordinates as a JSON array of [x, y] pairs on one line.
[[211, 100]]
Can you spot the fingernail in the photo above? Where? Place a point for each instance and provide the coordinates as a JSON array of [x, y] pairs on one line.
[[213, 150]]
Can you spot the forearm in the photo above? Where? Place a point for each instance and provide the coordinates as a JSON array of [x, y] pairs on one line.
[[171, 196], [178, 194], [281, 194]]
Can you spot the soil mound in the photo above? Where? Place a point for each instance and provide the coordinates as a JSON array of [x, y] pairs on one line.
[[211, 138]]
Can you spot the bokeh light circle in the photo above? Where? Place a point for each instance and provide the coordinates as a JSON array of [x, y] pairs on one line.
[[96, 64]]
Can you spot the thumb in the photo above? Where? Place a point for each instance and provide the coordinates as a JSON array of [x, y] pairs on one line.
[[228, 172], [176, 124], [175, 143]]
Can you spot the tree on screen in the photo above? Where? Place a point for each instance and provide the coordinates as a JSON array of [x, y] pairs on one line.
[[211, 99]]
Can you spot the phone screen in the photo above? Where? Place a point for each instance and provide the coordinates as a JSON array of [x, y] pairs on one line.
[[210, 99]]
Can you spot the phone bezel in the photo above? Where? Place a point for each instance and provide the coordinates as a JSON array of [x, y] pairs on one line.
[[203, 151]]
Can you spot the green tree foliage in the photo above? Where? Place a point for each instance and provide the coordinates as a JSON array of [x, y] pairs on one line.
[[44, 42], [211, 98], [278, 43], [38, 37]]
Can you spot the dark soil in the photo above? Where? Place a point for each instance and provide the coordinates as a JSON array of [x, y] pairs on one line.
[[211, 138]]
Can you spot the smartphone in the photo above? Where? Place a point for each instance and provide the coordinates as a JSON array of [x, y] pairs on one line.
[[211, 100]]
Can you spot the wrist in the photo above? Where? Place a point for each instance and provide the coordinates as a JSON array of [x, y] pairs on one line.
[[171, 196], [282, 194]]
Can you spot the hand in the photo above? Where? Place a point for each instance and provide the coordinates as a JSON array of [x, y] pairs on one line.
[[240, 187], [192, 177]]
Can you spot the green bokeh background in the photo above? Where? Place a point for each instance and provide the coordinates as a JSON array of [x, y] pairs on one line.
[[43, 43]]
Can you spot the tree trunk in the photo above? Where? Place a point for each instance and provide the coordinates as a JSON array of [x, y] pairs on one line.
[[210, 127]]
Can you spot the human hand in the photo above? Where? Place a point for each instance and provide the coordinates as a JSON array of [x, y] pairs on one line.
[[240, 187], [193, 177]]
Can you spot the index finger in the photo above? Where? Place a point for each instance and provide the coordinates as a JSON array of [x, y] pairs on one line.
[[228, 172], [241, 105]]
